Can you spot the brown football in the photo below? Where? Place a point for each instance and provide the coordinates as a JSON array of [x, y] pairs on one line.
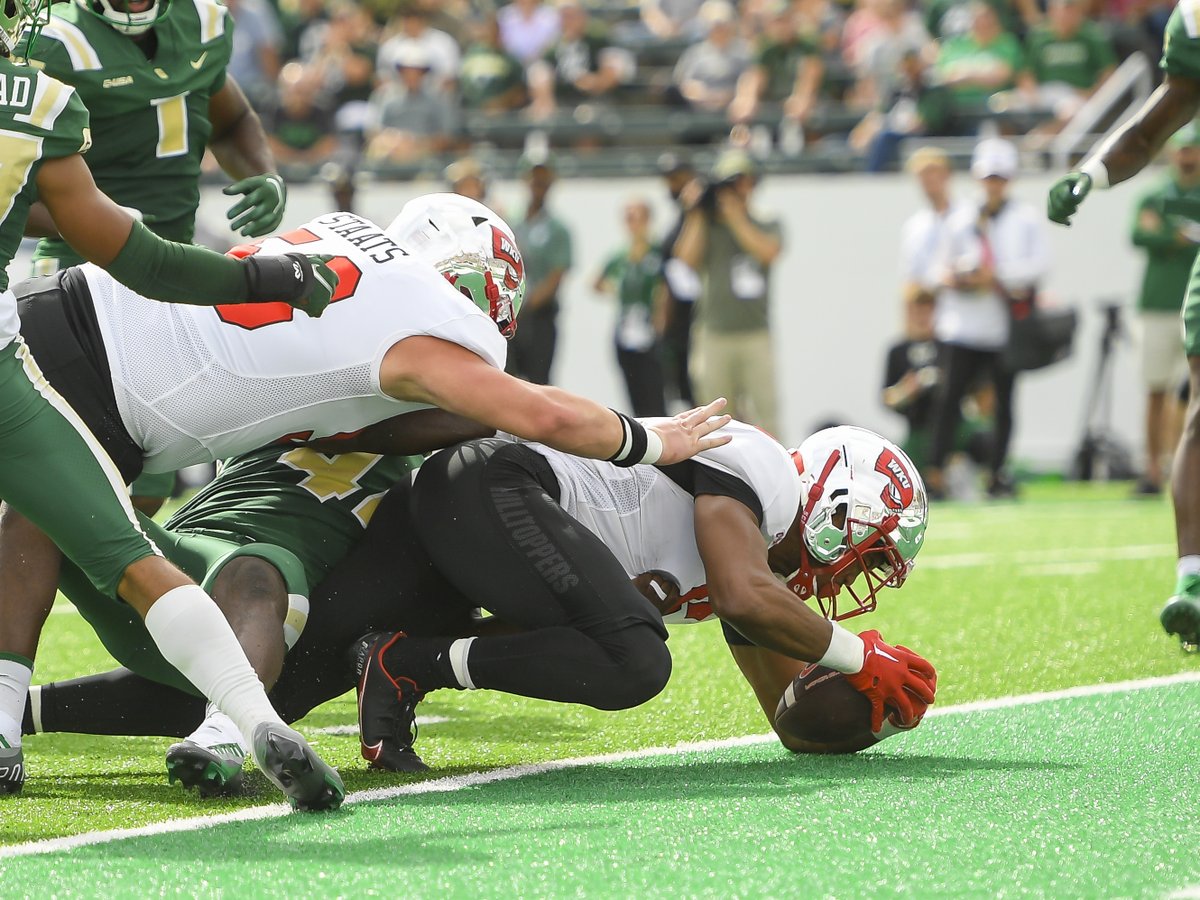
[[821, 709]]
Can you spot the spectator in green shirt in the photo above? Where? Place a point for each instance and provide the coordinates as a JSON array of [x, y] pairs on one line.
[[1170, 241], [489, 77], [981, 62], [545, 246], [787, 69], [1066, 59], [634, 274]]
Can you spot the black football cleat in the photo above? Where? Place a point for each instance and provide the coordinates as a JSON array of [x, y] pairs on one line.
[[12, 768], [387, 704], [285, 758]]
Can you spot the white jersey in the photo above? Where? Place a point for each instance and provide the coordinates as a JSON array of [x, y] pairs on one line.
[[197, 383], [646, 519]]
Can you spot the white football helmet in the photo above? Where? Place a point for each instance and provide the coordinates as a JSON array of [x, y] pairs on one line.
[[130, 23], [863, 513], [471, 246]]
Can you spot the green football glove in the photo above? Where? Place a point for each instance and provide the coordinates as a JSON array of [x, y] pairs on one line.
[[323, 281], [260, 211], [1066, 195]]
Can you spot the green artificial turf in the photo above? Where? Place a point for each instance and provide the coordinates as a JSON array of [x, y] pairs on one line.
[[1058, 590]]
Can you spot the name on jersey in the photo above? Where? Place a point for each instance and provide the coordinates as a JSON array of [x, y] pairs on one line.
[[364, 235], [14, 90], [119, 81]]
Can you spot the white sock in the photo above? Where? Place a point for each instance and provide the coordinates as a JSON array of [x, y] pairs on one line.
[[458, 662], [1188, 565], [15, 675], [35, 707], [194, 637]]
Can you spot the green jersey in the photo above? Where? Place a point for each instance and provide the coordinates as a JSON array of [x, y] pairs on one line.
[[1077, 60], [635, 279], [1181, 41], [314, 505], [781, 62], [963, 54], [1168, 260], [149, 115], [40, 118]]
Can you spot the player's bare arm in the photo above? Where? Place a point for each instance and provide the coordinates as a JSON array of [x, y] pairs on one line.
[[422, 431], [240, 144], [769, 673], [743, 589], [238, 141], [429, 370], [1131, 148]]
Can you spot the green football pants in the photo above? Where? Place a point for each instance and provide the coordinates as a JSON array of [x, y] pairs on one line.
[[201, 557], [56, 474]]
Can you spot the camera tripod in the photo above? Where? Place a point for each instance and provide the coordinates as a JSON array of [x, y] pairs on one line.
[[1101, 455]]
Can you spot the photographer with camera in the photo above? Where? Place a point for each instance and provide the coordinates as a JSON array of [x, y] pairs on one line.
[[732, 249]]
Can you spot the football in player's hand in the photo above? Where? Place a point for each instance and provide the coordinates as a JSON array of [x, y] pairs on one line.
[[821, 713]]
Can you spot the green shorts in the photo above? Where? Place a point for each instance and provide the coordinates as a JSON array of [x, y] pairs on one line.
[[1191, 312], [56, 474], [200, 556]]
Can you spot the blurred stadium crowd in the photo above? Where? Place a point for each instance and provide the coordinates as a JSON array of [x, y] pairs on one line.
[[404, 85]]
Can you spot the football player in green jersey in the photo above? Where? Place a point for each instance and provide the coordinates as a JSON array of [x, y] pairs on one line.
[[50, 455], [1172, 106], [152, 74], [272, 523]]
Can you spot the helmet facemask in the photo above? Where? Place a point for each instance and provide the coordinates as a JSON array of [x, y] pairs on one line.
[[18, 17], [855, 536], [128, 23], [471, 247]]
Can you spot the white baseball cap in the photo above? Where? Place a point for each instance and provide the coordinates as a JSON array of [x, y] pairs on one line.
[[994, 157]]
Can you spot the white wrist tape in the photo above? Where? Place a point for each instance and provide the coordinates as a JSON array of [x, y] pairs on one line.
[[1098, 172], [654, 448], [845, 653]]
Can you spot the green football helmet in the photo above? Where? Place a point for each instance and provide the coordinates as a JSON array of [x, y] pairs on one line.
[[19, 16], [472, 247], [863, 516], [124, 21]]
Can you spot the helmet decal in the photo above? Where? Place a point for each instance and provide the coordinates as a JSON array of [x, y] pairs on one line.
[[472, 247], [862, 520], [899, 492], [505, 250]]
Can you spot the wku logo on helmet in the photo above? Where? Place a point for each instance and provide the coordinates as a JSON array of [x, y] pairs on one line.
[[503, 248], [899, 492]]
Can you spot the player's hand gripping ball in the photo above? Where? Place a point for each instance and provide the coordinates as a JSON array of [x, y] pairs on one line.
[[821, 713]]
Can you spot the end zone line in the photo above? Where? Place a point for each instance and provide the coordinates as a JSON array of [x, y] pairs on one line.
[[508, 773]]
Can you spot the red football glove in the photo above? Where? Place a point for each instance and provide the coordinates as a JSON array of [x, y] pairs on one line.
[[893, 677]]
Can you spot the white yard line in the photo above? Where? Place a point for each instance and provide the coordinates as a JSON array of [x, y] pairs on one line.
[[459, 782], [1062, 555]]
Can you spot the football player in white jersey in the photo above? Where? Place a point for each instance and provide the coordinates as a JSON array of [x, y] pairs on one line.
[[739, 532], [418, 322]]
